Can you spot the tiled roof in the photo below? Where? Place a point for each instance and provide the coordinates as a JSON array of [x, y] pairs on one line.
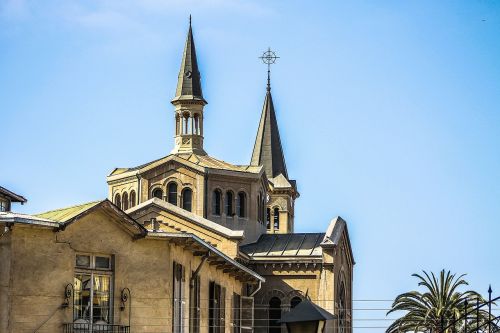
[[65, 214], [285, 245]]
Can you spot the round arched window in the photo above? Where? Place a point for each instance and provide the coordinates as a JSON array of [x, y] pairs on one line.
[[158, 193], [172, 193], [187, 199]]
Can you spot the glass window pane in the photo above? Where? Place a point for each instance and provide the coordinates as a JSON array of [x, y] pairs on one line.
[[81, 299], [101, 299], [82, 261], [102, 262]]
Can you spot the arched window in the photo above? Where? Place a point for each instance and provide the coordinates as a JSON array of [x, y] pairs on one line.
[[268, 219], [118, 201], [240, 204], [125, 201], [132, 198], [216, 202], [229, 203], [295, 301], [187, 199], [276, 218], [196, 124], [157, 193], [259, 208], [274, 315], [172, 193], [342, 309]]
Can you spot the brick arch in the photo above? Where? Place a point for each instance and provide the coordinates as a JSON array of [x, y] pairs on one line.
[[272, 293]]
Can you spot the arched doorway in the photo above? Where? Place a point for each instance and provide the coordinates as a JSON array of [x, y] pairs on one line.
[[274, 315]]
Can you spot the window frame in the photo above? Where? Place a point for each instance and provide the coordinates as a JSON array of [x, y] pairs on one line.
[[154, 190], [229, 203], [92, 271], [216, 207], [183, 202], [241, 204], [172, 196]]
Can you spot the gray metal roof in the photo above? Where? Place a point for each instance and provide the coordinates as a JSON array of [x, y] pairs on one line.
[[12, 196], [285, 245], [267, 150], [189, 82]]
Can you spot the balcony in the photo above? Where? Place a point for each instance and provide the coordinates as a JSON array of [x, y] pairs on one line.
[[97, 328]]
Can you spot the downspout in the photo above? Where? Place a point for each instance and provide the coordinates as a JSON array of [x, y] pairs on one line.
[[256, 290], [197, 271], [139, 189]]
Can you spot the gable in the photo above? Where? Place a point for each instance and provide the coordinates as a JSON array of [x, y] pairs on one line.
[[173, 219]]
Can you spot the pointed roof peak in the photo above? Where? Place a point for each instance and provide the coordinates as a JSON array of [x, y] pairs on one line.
[[267, 150], [189, 80]]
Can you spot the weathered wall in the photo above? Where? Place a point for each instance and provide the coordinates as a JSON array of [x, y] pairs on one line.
[[5, 260], [43, 264]]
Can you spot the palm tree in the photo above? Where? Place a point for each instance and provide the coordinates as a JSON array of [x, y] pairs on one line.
[[440, 308]]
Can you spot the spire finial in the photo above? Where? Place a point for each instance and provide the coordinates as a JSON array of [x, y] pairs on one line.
[[269, 58], [190, 20]]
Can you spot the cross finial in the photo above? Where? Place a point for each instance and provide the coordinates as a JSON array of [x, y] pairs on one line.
[[269, 58]]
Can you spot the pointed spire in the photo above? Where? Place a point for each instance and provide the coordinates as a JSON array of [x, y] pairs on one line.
[[267, 150], [189, 82]]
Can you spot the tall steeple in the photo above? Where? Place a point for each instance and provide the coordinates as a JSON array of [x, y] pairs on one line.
[[189, 102], [267, 150]]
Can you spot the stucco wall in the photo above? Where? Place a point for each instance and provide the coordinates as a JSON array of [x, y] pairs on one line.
[[42, 264]]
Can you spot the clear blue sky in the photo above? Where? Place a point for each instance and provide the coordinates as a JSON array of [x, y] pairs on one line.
[[388, 112]]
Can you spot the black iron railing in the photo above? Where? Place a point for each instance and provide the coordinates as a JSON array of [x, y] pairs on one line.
[[96, 328]]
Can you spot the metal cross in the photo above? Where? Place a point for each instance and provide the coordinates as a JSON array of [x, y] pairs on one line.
[[269, 57]]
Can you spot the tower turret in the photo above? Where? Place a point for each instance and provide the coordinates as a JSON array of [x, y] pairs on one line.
[[189, 102]]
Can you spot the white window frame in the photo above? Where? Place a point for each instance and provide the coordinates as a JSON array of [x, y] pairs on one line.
[[92, 271]]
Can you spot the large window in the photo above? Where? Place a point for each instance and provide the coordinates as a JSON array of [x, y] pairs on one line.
[[187, 199], [342, 309], [236, 313], [172, 193], [276, 218], [178, 302], [241, 204], [157, 193], [125, 201], [216, 202], [194, 304], [259, 210], [229, 203], [216, 308], [132, 198], [118, 201], [92, 290]]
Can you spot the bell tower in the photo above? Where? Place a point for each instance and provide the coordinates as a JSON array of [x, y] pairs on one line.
[[189, 103]]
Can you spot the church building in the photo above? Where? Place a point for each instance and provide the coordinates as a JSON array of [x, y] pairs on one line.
[[184, 243]]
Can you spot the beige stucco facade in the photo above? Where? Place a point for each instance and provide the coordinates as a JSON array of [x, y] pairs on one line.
[[39, 262]]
